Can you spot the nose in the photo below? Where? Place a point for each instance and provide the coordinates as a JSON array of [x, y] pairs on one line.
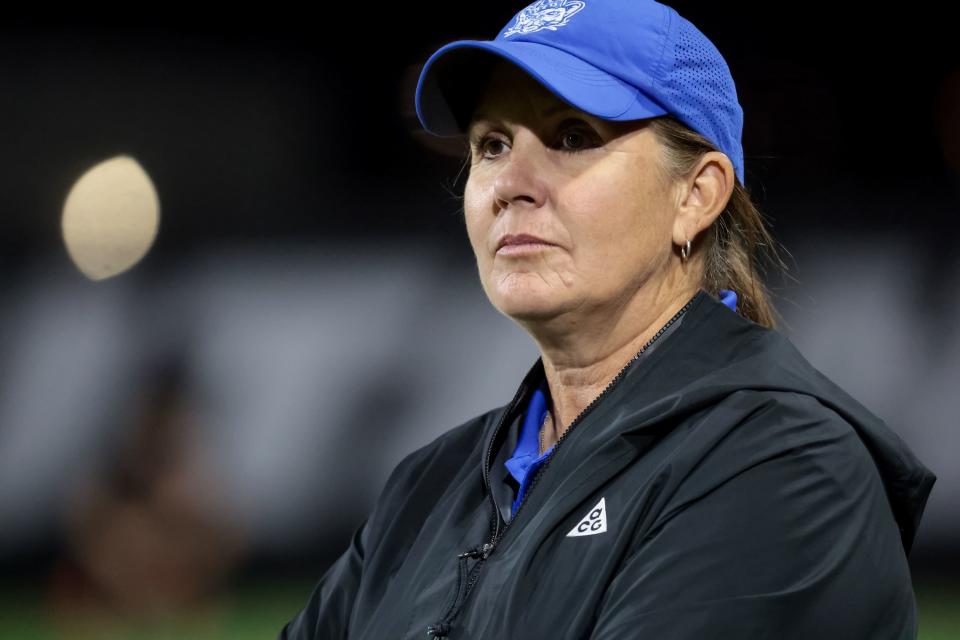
[[521, 178]]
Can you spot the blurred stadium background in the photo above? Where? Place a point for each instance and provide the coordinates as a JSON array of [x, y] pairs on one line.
[[185, 447]]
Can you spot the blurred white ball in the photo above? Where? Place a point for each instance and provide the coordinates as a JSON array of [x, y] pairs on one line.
[[110, 218]]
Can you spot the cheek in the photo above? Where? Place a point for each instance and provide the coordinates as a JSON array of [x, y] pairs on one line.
[[617, 221], [477, 224]]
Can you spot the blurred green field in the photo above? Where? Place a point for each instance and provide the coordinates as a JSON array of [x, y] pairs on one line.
[[259, 611]]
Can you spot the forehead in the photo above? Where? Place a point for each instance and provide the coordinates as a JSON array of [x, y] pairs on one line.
[[508, 90]]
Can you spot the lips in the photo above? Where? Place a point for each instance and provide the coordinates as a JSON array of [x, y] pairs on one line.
[[522, 238]]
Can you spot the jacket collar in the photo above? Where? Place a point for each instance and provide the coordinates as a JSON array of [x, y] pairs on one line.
[[713, 353]]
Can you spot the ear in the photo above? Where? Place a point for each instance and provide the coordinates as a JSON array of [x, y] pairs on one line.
[[702, 196]]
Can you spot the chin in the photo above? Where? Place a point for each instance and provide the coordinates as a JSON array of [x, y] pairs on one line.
[[527, 298]]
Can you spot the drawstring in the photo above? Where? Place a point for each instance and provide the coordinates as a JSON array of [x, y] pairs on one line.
[[442, 629]]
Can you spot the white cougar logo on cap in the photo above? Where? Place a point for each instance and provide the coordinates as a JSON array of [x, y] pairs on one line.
[[545, 14]]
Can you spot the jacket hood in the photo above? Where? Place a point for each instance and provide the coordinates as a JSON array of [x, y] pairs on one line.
[[715, 352]]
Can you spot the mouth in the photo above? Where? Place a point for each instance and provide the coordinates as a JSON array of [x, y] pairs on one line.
[[523, 248], [522, 243]]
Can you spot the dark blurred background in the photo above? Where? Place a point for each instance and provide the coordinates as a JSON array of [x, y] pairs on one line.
[[185, 447]]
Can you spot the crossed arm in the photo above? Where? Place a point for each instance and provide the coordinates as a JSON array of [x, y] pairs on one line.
[[791, 536]]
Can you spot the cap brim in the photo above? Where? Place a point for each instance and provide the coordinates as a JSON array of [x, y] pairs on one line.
[[447, 88]]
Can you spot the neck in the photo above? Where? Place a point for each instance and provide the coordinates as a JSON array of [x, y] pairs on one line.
[[579, 365]]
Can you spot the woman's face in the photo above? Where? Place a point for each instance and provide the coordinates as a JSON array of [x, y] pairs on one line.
[[590, 188]]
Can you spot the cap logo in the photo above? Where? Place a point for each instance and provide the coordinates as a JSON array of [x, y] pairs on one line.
[[544, 14]]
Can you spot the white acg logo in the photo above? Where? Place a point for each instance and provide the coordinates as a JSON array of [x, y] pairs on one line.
[[544, 14], [593, 523]]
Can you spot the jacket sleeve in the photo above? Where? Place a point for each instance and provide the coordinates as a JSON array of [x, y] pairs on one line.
[[327, 613], [783, 531]]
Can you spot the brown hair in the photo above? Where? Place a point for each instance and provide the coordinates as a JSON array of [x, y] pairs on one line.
[[738, 245]]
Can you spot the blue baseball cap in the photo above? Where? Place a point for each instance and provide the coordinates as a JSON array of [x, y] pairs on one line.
[[614, 59]]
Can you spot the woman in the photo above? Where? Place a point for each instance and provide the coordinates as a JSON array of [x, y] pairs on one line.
[[671, 466]]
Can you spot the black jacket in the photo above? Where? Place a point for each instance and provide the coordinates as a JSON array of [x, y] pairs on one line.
[[741, 494]]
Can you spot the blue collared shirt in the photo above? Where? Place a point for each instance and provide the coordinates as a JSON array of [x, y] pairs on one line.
[[525, 460]]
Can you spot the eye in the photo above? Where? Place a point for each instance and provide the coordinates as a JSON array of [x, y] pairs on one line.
[[575, 136], [491, 146], [486, 146], [578, 138]]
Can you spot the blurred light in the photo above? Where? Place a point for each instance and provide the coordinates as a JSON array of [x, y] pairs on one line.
[[110, 218]]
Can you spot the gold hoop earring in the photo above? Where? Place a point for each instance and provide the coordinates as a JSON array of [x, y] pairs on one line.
[[685, 251]]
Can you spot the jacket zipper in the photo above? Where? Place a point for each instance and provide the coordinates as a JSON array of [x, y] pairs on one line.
[[482, 552]]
